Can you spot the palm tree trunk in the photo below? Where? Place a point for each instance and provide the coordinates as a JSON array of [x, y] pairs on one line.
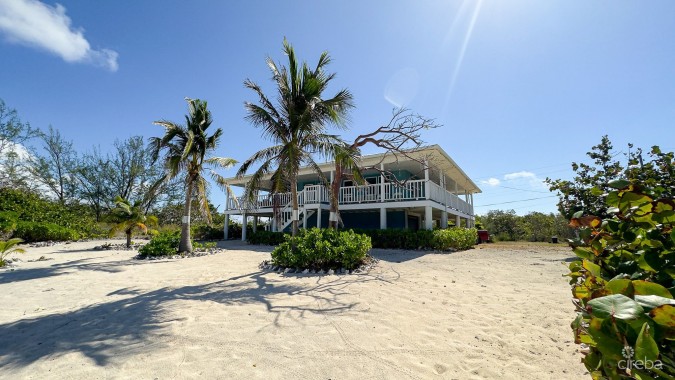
[[335, 197], [185, 241], [128, 238], [294, 196]]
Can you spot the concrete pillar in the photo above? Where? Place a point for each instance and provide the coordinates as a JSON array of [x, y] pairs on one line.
[[428, 221], [244, 222], [318, 217], [255, 223], [226, 227], [458, 221], [383, 218], [274, 223], [444, 219]]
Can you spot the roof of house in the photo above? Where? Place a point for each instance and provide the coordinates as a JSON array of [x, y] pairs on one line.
[[438, 161]]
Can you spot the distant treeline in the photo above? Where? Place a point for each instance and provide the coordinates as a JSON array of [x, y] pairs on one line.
[[535, 226]]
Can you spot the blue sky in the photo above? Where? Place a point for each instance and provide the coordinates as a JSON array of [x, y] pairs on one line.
[[522, 88]]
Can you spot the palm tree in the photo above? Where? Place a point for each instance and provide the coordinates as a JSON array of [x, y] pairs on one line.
[[128, 216], [7, 247], [296, 124], [187, 148]]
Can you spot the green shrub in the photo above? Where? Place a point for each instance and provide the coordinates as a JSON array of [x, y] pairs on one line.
[[322, 249], [164, 244], [8, 221], [34, 231], [624, 281], [266, 238], [454, 238], [205, 246], [206, 232], [29, 207]]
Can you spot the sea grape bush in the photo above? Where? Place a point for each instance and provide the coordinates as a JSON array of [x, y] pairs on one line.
[[166, 243], [266, 238], [322, 249], [443, 239], [623, 283]]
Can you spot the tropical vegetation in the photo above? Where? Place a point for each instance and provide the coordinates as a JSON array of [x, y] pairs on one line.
[[8, 247], [187, 150], [127, 217], [322, 249], [623, 280], [296, 125]]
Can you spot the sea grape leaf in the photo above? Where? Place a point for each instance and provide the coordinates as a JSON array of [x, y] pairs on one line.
[[647, 288], [616, 306], [592, 268], [583, 253], [619, 184], [664, 315], [665, 217], [620, 286], [652, 301], [645, 346]]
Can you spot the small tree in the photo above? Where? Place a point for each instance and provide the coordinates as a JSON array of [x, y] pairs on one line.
[[127, 217], [8, 247], [187, 148]]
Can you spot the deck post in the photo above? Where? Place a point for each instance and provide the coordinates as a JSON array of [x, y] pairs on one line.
[[244, 223], [304, 218], [274, 223], [428, 221], [427, 193], [383, 218], [226, 226], [458, 221], [382, 186], [318, 217]]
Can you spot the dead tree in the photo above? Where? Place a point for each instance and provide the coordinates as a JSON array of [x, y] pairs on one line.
[[400, 138]]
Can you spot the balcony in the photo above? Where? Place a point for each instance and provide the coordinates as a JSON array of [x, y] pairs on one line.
[[415, 190]]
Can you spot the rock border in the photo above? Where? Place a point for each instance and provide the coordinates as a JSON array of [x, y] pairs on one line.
[[208, 252]]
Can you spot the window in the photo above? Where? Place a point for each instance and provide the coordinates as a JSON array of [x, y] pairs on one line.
[[347, 182]]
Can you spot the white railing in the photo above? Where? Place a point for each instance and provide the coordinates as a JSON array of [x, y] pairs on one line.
[[407, 191], [371, 193]]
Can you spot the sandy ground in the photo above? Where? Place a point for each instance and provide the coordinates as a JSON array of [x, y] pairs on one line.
[[494, 312]]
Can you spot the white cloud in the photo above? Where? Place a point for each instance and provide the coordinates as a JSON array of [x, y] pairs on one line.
[[36, 24], [491, 182], [523, 174]]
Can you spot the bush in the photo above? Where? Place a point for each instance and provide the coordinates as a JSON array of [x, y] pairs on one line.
[[29, 207], [206, 232], [34, 231], [623, 283], [452, 238], [8, 221], [322, 249], [164, 244], [266, 238]]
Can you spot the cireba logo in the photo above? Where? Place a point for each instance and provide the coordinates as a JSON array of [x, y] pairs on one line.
[[637, 363]]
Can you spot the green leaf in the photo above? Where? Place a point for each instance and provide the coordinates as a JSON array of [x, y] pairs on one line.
[[616, 306], [619, 184], [647, 288], [584, 253], [620, 286], [593, 269], [645, 347], [665, 217], [651, 301], [664, 315]]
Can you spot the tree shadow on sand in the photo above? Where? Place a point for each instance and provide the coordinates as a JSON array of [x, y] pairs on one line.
[[24, 274], [116, 328]]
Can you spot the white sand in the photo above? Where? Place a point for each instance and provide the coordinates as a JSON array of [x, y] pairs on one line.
[[488, 313]]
